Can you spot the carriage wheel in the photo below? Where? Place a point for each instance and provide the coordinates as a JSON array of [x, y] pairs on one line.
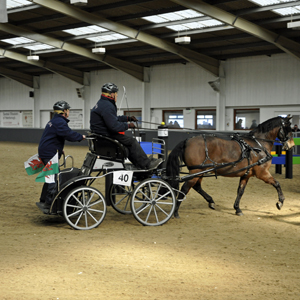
[[120, 198], [84, 208], [153, 202]]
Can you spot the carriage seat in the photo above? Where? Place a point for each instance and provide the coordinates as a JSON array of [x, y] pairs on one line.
[[107, 148]]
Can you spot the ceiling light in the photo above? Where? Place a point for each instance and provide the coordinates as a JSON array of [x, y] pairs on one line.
[[294, 25], [183, 40], [99, 50], [33, 57], [79, 2]]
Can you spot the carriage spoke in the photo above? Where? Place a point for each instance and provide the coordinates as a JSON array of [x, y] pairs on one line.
[[142, 209], [92, 216], [78, 219], [147, 218]]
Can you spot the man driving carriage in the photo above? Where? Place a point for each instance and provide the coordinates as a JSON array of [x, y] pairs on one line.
[[104, 121], [52, 141]]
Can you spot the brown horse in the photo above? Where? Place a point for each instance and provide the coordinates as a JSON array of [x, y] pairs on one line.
[[236, 155]]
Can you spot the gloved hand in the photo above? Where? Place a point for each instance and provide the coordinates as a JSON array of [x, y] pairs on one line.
[[133, 118], [131, 125]]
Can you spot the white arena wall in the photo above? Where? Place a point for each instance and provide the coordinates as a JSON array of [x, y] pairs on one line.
[[271, 84]]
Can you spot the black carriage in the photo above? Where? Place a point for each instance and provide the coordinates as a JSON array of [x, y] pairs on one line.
[[142, 193]]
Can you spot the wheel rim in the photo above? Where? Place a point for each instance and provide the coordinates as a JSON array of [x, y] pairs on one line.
[[84, 208], [153, 202]]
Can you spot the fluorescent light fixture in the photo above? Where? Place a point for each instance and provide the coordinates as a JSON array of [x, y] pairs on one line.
[[33, 57], [79, 2], [183, 40], [294, 25], [17, 3], [99, 50]]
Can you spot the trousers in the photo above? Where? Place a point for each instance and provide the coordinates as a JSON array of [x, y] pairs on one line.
[[136, 153], [49, 190]]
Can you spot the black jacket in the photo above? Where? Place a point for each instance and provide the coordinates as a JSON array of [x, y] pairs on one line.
[[104, 119], [54, 136]]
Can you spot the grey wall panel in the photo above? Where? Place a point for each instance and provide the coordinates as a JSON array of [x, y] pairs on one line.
[[14, 95], [258, 81]]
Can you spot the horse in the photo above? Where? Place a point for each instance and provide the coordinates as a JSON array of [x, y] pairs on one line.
[[233, 155]]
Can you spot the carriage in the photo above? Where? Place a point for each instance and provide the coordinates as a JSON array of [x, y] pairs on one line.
[[129, 190]]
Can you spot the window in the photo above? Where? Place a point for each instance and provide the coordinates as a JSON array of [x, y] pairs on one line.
[[246, 118], [173, 118], [206, 119], [136, 113]]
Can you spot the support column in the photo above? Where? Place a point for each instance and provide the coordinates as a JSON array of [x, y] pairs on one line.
[[36, 102], [146, 103], [87, 101], [221, 99]]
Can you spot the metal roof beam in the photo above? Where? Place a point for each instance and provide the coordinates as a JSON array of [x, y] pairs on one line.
[[208, 63], [67, 72], [130, 68], [17, 76], [283, 43]]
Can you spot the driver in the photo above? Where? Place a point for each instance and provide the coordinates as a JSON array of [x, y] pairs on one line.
[[104, 121]]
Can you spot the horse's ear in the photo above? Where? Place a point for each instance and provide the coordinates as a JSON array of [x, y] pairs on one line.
[[289, 117]]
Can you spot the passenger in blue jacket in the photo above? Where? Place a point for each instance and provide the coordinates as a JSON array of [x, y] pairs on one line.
[[53, 141], [104, 121]]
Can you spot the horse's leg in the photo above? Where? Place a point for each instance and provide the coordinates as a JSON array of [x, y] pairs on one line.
[[268, 178], [184, 190], [240, 192], [197, 187]]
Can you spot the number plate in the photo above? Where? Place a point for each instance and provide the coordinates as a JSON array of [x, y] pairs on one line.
[[123, 177]]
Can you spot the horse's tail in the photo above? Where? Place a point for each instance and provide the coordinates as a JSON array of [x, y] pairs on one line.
[[174, 160]]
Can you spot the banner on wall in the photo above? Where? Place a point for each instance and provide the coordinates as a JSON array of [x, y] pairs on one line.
[[76, 119], [27, 118], [11, 118]]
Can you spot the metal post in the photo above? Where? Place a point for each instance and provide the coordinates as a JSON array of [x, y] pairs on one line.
[[163, 134], [289, 164], [108, 183], [278, 168]]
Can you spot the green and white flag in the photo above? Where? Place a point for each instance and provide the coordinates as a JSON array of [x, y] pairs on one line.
[[51, 168], [33, 165]]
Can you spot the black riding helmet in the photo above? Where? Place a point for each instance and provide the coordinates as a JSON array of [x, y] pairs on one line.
[[110, 88], [61, 105]]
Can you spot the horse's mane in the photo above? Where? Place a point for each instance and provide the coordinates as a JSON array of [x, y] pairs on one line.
[[267, 125]]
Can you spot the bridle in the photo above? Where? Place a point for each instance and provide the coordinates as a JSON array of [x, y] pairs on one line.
[[283, 131]]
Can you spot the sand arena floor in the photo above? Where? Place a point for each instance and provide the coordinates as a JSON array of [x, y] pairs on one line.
[[205, 254]]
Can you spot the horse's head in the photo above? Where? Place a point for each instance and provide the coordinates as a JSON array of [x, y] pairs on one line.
[[285, 134]]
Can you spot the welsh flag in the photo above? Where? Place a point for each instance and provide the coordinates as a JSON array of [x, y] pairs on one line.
[[51, 168], [33, 165]]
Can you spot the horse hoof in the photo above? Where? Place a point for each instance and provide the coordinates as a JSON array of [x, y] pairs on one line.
[[211, 205], [176, 216], [279, 205], [239, 213]]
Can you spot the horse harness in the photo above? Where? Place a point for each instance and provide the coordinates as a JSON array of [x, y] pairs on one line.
[[246, 149]]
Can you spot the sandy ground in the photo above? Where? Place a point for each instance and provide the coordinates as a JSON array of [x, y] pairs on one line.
[[205, 254]]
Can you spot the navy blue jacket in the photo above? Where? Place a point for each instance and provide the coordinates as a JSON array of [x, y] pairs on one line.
[[54, 136], [104, 119]]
